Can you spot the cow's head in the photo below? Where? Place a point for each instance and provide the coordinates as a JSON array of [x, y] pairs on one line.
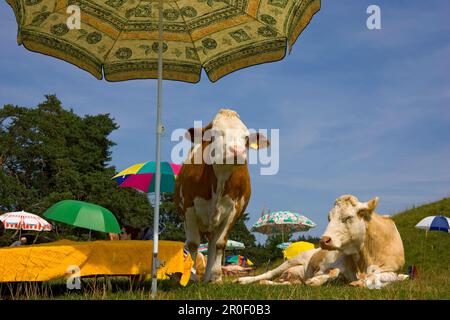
[[226, 138], [347, 225]]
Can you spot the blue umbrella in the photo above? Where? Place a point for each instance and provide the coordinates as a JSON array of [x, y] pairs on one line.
[[434, 223], [283, 245]]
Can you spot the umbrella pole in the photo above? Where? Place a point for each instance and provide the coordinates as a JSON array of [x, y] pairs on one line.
[[159, 129]]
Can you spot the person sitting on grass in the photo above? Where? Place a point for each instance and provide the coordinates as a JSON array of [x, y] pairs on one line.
[[18, 243], [114, 236]]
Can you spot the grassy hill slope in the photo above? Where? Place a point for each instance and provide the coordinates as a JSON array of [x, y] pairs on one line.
[[430, 252]]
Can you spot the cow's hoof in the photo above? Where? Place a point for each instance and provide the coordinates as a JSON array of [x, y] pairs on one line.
[[357, 283], [243, 280], [403, 277], [216, 280], [312, 282]]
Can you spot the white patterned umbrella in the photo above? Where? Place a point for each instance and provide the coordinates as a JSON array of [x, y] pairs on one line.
[[284, 222], [24, 221]]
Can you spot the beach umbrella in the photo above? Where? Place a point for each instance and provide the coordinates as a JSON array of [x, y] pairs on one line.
[[126, 39], [22, 220], [434, 223], [282, 222], [141, 176], [84, 215], [297, 248], [283, 245], [231, 244]]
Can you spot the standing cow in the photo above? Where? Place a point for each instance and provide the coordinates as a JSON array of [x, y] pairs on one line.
[[359, 246], [212, 189]]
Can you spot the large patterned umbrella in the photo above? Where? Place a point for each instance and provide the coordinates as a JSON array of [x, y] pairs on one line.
[[119, 40], [284, 222], [126, 39]]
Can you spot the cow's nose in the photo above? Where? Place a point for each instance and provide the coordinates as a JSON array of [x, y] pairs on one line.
[[325, 242], [237, 149]]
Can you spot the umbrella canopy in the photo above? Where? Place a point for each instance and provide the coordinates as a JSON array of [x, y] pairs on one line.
[[282, 222], [141, 176], [231, 244], [24, 221], [126, 39], [283, 245], [297, 248], [238, 260], [118, 39], [84, 215], [434, 223]]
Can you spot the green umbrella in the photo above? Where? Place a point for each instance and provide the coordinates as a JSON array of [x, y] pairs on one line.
[[84, 215]]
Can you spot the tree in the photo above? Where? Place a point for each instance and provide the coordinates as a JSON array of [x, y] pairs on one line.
[[172, 225], [48, 154], [240, 232]]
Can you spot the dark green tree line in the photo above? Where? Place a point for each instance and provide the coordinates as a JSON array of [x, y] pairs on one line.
[[48, 154]]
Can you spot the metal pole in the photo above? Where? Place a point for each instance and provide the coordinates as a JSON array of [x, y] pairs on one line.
[[159, 129]]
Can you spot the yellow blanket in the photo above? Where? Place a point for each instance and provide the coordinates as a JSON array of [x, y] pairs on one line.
[[52, 261]]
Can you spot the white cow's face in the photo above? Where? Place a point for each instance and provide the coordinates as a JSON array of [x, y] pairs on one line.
[[226, 139], [229, 138], [346, 229]]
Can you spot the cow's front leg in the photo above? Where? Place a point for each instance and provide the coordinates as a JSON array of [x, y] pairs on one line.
[[323, 278], [216, 272], [377, 280], [192, 239], [227, 210], [216, 247]]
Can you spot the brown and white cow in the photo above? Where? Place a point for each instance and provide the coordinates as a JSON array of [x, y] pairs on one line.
[[359, 246], [212, 189]]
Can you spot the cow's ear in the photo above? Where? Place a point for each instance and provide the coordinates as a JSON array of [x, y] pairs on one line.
[[372, 204], [257, 141], [194, 133], [368, 208]]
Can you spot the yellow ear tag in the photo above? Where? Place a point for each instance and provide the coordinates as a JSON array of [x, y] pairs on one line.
[[254, 145]]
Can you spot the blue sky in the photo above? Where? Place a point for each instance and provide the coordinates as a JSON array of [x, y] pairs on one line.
[[365, 112]]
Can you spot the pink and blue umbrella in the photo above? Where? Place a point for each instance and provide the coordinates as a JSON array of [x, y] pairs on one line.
[[141, 176]]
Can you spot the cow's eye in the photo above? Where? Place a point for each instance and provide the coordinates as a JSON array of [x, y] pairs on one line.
[[348, 219]]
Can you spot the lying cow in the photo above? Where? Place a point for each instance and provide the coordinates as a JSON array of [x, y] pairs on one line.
[[358, 246], [234, 270], [212, 189]]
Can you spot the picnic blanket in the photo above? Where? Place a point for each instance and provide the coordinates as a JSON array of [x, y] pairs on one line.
[[51, 261]]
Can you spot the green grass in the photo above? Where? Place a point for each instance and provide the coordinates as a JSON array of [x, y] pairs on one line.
[[431, 255]]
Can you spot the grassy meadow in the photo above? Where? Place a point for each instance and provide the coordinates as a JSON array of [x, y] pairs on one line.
[[430, 253]]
